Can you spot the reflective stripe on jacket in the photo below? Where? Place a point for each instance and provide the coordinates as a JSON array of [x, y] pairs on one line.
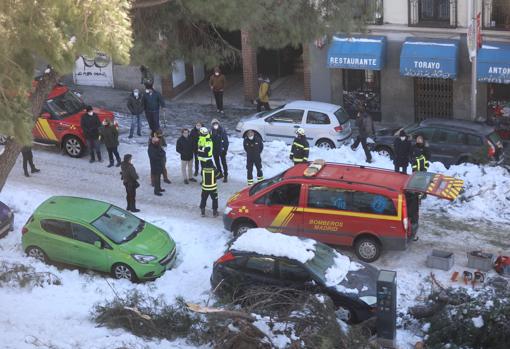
[[420, 164], [209, 179], [300, 149]]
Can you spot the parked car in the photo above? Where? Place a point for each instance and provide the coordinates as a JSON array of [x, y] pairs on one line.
[[6, 220], [97, 235], [369, 208], [451, 142], [262, 258], [60, 118], [326, 125]]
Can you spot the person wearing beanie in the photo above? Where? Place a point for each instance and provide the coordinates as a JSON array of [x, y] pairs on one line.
[[402, 148], [220, 147], [90, 126], [152, 102], [130, 179], [110, 137], [185, 148]]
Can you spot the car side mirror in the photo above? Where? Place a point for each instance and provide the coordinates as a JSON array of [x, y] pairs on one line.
[[98, 244], [269, 120], [46, 115]]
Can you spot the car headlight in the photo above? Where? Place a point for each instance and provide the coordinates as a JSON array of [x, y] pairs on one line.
[[144, 259], [227, 210], [239, 126], [370, 300]]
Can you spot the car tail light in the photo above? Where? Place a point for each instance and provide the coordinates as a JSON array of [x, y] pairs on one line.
[[339, 128], [226, 258], [24, 230], [405, 221], [491, 151]]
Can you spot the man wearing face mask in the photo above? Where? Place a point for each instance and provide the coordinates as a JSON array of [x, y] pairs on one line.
[[402, 147], [220, 147], [253, 147], [184, 147], [194, 135], [152, 102], [420, 155], [135, 106], [217, 85], [90, 125]]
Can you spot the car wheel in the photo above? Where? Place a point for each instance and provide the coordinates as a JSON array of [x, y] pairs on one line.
[[37, 253], [367, 249], [73, 146], [325, 144], [385, 151], [242, 227], [122, 271]]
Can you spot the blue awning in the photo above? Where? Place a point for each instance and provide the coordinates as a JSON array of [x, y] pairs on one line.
[[430, 58], [357, 52], [493, 63]]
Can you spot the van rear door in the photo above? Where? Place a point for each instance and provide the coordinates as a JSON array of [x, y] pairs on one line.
[[435, 184]]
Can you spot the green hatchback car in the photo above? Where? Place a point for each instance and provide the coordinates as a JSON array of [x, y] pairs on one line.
[[96, 235]]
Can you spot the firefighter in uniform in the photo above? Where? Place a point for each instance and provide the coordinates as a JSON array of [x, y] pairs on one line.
[[209, 188], [253, 147], [420, 155], [300, 148], [205, 148]]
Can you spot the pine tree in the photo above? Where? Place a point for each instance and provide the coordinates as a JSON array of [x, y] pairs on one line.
[[54, 31]]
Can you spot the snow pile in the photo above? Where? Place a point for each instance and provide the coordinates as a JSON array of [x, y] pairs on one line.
[[264, 242], [478, 321], [338, 271]]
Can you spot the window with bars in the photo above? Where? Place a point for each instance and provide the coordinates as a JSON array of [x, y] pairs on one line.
[[496, 14], [373, 11], [433, 98], [432, 13]]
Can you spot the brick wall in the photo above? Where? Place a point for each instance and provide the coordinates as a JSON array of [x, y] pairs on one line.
[[249, 58], [307, 91]]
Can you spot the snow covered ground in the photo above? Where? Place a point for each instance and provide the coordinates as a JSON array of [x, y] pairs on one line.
[[60, 315]]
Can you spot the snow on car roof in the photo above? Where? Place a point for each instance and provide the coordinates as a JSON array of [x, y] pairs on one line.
[[264, 242], [328, 107]]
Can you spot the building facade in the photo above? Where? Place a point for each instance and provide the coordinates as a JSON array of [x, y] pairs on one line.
[[413, 63]]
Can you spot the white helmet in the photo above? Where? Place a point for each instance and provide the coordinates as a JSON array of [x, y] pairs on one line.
[[204, 130], [300, 131]]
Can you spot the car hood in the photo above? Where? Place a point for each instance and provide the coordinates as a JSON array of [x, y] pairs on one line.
[[359, 283], [255, 116], [150, 241]]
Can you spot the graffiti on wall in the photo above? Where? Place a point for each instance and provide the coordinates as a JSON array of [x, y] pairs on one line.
[[94, 71]]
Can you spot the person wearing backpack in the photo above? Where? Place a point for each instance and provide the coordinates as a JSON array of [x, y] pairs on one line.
[[264, 93]]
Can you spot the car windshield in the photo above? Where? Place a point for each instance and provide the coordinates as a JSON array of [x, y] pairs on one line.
[[410, 128], [341, 116], [266, 183], [66, 104], [324, 259], [118, 225], [267, 112]]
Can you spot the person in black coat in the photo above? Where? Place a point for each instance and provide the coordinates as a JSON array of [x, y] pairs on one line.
[[420, 155], [365, 126], [185, 147], [402, 149], [110, 137], [152, 102], [130, 179], [194, 135], [300, 147], [253, 146], [220, 147], [90, 125], [28, 159], [157, 157]]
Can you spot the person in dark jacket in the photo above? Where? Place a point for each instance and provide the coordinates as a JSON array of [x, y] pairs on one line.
[[253, 146], [402, 150], [420, 155], [365, 126], [185, 147], [209, 188], [157, 160], [162, 142], [194, 135], [90, 126], [217, 85], [110, 137], [220, 147], [130, 179], [300, 148], [135, 106], [152, 102], [28, 159]]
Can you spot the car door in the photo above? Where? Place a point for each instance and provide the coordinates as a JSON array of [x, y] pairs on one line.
[[45, 126], [83, 250], [283, 124], [293, 275], [282, 209], [57, 239], [260, 270], [447, 144], [318, 125]]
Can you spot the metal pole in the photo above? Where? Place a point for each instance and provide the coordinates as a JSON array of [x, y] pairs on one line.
[[473, 60]]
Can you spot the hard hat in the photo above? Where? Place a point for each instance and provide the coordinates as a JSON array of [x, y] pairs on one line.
[[204, 130], [300, 131]]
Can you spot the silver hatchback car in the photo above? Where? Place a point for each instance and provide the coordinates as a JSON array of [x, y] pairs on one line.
[[326, 125]]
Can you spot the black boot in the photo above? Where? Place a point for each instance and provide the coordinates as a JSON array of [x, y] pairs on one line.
[[35, 170], [225, 179], [219, 175], [99, 157], [202, 212], [26, 174], [110, 165], [215, 213]]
